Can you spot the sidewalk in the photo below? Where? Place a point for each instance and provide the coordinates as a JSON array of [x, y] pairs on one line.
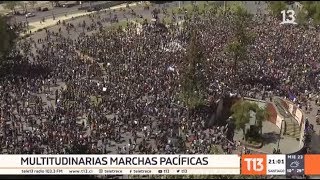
[[3, 10], [50, 22]]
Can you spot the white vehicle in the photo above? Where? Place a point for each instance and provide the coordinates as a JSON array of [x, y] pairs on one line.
[[30, 15]]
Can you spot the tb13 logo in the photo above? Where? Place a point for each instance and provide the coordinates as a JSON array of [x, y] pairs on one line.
[[253, 164]]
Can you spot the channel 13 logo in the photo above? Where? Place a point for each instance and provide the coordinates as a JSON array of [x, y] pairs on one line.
[[253, 164]]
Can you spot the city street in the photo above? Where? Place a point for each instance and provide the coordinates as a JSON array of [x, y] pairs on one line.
[[55, 11]]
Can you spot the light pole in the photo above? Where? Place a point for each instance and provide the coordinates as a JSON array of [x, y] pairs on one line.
[[27, 22], [179, 114], [25, 7], [280, 135]]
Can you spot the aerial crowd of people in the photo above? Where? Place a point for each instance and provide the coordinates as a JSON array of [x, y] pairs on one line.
[[118, 91]]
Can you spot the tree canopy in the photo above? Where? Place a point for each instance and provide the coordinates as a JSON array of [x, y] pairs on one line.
[[312, 9], [309, 10], [193, 80], [7, 38], [241, 114], [276, 7], [33, 3], [242, 36], [11, 5]]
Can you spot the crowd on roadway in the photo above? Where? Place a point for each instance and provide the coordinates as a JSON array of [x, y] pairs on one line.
[[96, 91]]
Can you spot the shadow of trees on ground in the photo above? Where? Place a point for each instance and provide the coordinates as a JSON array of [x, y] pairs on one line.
[[18, 67], [270, 137]]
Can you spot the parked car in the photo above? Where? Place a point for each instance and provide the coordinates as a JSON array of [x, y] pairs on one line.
[[57, 4], [30, 15], [20, 13], [45, 9], [69, 5]]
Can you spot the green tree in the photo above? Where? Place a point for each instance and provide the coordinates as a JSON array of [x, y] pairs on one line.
[[193, 80], [302, 16], [310, 7], [261, 115], [7, 38], [32, 3], [212, 9], [237, 50], [23, 6], [243, 19], [316, 15], [241, 115], [242, 36], [89, 121], [234, 6], [77, 148], [55, 3], [11, 5], [276, 7], [214, 150]]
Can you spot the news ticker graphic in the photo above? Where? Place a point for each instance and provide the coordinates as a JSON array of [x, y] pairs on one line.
[[119, 164], [280, 164], [252, 164]]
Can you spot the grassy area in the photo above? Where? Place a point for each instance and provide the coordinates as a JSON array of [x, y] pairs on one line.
[[176, 9], [215, 150], [122, 23], [232, 5], [205, 6], [30, 28], [138, 20], [167, 20], [202, 6], [95, 100]]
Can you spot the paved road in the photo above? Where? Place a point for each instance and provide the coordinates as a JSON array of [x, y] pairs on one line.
[[3, 10], [103, 14], [60, 11], [315, 140], [252, 6], [56, 11]]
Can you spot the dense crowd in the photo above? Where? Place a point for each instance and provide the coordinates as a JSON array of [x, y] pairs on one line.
[[86, 94]]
